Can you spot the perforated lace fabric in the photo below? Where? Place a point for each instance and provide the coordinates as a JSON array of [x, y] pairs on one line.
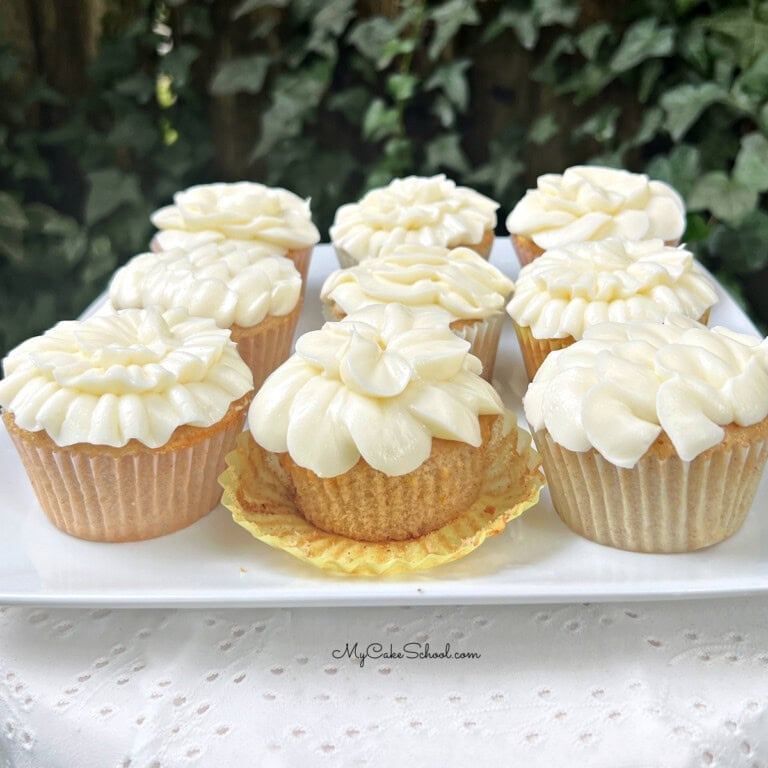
[[638, 685]]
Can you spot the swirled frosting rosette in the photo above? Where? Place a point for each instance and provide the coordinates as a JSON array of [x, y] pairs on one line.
[[377, 448], [110, 413], [565, 291], [589, 203], [244, 212], [425, 211], [654, 435]]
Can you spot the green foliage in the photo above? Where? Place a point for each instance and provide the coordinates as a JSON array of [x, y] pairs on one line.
[[317, 97]]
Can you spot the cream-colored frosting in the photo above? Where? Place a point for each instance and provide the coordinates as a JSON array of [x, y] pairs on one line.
[[378, 385], [566, 290], [243, 210], [593, 203], [458, 280], [135, 374], [416, 210], [620, 386], [234, 286]]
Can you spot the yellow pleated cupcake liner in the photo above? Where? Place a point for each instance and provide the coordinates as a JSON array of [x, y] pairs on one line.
[[257, 493]]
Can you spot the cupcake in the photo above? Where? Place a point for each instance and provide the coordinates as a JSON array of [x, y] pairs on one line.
[[588, 203], [255, 295], [653, 436], [459, 281], [381, 422], [415, 210], [245, 212], [569, 289], [123, 421]]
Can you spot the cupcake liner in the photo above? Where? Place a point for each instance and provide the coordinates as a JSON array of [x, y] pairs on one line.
[[257, 492], [301, 259], [535, 350], [483, 335], [267, 345], [663, 504], [111, 494]]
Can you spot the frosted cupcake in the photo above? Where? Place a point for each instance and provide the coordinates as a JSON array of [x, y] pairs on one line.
[[123, 421], [589, 203], [416, 210], [569, 289], [381, 422], [459, 281], [245, 212], [255, 295], [653, 436]]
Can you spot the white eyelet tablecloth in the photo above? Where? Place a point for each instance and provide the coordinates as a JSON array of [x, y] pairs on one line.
[[640, 685]]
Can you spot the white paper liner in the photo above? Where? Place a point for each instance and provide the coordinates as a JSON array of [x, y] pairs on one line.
[[483, 335], [662, 505]]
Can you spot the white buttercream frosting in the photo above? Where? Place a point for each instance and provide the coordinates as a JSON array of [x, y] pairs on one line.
[[416, 210], [593, 203], [378, 385], [567, 290], [459, 280], [244, 211], [617, 389], [135, 374], [232, 285]]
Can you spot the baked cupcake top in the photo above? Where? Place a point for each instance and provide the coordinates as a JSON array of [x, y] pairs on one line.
[[593, 203], [232, 285], [415, 210], [623, 384], [135, 374], [459, 281], [379, 385], [275, 218], [569, 289]]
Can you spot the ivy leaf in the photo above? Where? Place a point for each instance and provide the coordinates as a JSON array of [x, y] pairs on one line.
[[402, 86], [109, 189], [651, 72], [685, 104], [680, 168], [751, 168], [586, 82], [11, 213], [177, 61], [590, 40], [745, 30], [522, 22], [380, 120], [551, 12], [649, 126], [643, 40], [696, 229], [742, 249], [445, 152], [754, 82], [547, 71], [543, 129], [448, 18], [251, 5], [725, 198], [351, 102], [452, 80], [600, 127], [373, 38], [327, 26], [763, 118], [245, 74], [443, 110], [136, 130]]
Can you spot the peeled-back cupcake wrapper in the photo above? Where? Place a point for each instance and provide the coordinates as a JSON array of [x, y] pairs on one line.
[[301, 259], [128, 497], [662, 505], [265, 348], [535, 350], [483, 335], [257, 493], [525, 249]]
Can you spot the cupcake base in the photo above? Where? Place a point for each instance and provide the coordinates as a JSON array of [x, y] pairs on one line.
[[267, 345], [663, 504], [535, 350], [258, 492], [131, 493]]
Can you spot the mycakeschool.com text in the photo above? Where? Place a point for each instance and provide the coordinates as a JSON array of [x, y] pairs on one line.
[[411, 651]]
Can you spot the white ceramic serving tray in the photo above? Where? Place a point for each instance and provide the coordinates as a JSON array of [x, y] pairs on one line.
[[217, 563]]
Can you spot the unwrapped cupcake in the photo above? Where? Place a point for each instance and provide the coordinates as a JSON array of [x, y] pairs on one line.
[[255, 295], [589, 203], [381, 422], [244, 212], [564, 292], [653, 436], [457, 280], [416, 210], [123, 421]]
